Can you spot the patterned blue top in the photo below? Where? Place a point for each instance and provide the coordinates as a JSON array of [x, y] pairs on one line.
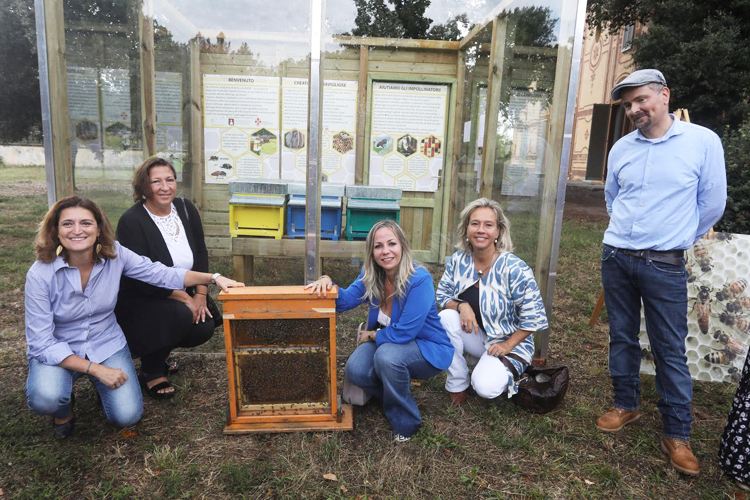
[[509, 299]]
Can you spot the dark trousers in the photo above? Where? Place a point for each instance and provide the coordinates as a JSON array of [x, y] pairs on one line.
[[662, 287]]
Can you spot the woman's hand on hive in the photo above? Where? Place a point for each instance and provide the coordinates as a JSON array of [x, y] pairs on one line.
[[320, 286], [227, 283], [111, 377], [468, 319]]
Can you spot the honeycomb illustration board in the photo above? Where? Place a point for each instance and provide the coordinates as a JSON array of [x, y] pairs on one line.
[[718, 269]]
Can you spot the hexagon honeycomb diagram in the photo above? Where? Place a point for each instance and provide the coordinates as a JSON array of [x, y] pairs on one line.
[[382, 144], [294, 139], [343, 142], [406, 145], [263, 143], [431, 146]]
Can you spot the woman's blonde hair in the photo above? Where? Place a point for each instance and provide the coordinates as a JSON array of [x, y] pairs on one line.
[[503, 242], [374, 275], [47, 239]]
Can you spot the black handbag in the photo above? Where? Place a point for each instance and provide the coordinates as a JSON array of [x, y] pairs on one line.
[[540, 390]]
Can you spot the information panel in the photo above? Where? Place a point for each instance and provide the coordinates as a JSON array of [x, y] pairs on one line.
[[407, 139], [528, 118], [241, 127], [338, 134]]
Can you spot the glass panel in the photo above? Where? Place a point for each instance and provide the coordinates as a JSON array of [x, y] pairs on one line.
[[281, 332]]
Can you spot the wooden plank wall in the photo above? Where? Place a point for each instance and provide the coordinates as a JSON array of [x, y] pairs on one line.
[[417, 210]]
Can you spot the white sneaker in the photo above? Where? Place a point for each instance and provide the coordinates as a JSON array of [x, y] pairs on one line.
[[398, 438]]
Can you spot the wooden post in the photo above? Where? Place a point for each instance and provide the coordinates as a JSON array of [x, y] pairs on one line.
[[58, 95], [552, 157], [243, 268], [359, 165], [196, 125], [148, 82], [452, 187], [494, 93]]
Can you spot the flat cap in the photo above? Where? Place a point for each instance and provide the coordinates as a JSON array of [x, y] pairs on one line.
[[638, 79]]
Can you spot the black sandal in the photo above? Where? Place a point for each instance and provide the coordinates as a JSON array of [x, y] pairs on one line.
[[154, 390]]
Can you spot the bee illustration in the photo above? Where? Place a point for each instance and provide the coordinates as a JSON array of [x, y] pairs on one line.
[[720, 357], [218, 174], [226, 166], [718, 236], [213, 158], [702, 256], [739, 305], [734, 374], [647, 354], [729, 342], [702, 308], [732, 290]]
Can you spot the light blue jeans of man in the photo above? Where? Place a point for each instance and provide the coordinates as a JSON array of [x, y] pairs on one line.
[[49, 389], [663, 288], [386, 373]]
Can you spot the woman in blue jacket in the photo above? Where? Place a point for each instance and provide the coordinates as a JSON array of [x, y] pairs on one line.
[[404, 339]]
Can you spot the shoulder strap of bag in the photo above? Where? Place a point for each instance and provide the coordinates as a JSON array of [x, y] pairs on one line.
[[509, 366], [184, 207]]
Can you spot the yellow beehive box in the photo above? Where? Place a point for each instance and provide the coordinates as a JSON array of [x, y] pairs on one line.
[[257, 208]]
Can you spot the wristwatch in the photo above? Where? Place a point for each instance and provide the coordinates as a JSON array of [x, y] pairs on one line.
[[214, 277]]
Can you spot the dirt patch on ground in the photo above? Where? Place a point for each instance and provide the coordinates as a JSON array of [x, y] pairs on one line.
[[585, 202], [23, 188]]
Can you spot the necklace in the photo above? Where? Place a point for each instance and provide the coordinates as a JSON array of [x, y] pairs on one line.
[[483, 270]]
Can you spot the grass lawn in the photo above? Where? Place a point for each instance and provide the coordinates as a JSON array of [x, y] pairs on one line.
[[482, 449]]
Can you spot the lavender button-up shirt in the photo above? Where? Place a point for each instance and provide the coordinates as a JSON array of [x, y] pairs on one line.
[[62, 319]]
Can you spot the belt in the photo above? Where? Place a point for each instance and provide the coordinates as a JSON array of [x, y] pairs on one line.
[[674, 257]]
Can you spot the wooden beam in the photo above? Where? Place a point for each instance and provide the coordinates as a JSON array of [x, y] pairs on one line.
[[399, 43], [196, 125], [494, 93], [148, 83], [268, 247], [58, 95], [359, 162], [452, 197]]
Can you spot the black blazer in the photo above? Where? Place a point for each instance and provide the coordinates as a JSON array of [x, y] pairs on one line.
[[139, 233]]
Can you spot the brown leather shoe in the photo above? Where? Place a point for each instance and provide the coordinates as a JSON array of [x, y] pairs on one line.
[[617, 418], [458, 398], [680, 455]]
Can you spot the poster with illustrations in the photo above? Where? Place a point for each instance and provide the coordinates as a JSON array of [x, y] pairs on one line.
[[527, 120], [168, 96], [718, 268], [338, 133], [83, 105], [241, 127], [407, 140], [116, 118]]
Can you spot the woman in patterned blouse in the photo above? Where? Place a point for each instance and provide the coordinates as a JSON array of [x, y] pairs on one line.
[[491, 305]]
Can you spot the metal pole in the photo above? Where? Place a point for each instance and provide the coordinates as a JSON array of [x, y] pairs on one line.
[[41, 50], [575, 71], [312, 190]]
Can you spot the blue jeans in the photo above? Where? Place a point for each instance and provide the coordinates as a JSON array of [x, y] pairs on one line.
[[49, 387], [386, 373], [663, 288]]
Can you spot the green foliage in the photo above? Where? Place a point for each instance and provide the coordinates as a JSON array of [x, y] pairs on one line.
[[736, 217], [19, 77], [701, 46]]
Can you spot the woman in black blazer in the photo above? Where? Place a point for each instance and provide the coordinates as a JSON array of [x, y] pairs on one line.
[[156, 320]]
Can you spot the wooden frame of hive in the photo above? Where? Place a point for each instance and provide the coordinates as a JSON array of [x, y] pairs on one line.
[[277, 339]]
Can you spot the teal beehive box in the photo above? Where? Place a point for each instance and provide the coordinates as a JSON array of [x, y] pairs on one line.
[[368, 204]]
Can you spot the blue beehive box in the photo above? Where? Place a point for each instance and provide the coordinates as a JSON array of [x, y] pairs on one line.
[[331, 201], [368, 204]]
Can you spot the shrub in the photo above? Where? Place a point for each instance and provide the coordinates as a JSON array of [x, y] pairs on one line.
[[736, 217]]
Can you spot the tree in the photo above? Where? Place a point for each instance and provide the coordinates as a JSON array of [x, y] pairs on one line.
[[19, 77], [701, 46]]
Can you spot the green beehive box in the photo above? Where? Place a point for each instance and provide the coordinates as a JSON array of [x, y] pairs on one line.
[[368, 204]]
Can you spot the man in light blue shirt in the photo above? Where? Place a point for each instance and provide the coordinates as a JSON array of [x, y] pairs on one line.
[[666, 186]]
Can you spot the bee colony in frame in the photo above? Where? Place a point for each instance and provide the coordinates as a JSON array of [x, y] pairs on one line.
[[718, 270], [281, 361]]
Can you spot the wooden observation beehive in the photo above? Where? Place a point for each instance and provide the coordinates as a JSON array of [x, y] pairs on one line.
[[281, 361]]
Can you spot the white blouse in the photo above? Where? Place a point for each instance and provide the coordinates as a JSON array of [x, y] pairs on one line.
[[171, 229]]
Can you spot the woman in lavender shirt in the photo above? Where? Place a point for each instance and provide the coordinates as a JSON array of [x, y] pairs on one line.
[[71, 331]]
